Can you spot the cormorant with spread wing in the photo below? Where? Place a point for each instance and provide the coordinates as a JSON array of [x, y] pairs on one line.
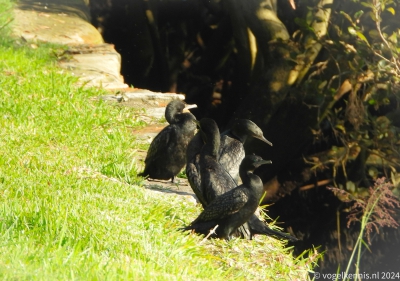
[[209, 179], [231, 150]]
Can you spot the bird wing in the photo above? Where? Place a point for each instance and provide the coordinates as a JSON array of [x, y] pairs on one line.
[[231, 154], [226, 204], [193, 167], [161, 141], [194, 179], [214, 179]]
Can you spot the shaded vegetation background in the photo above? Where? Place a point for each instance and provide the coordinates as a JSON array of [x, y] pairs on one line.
[[321, 78]]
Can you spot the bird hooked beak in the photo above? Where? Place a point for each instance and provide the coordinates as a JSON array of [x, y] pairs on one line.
[[262, 138], [262, 162], [189, 106]]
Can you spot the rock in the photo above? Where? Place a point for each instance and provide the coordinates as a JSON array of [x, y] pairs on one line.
[[56, 21], [153, 102], [95, 65], [67, 22]]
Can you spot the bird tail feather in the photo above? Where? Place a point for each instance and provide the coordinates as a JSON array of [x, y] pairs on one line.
[[259, 227]]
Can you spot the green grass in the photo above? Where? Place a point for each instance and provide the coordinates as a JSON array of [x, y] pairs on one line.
[[71, 205]]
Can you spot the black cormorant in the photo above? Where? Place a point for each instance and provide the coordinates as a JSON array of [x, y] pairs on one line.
[[167, 153], [231, 150], [209, 179], [235, 207]]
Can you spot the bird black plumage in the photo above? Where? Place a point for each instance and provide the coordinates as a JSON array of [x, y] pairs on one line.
[[231, 150], [215, 180], [235, 207], [167, 152], [225, 154], [209, 179]]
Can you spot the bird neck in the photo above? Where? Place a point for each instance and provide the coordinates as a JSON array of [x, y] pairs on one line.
[[237, 135], [172, 116], [188, 124], [212, 147], [251, 180], [245, 175]]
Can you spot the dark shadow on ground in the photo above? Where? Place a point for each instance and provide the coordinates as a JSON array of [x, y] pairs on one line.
[[180, 187], [69, 7]]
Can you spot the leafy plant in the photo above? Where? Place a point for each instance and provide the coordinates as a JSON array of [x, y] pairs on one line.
[[373, 212]]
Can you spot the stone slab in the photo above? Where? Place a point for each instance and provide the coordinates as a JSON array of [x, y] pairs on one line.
[[153, 102], [96, 65], [53, 27], [67, 22]]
